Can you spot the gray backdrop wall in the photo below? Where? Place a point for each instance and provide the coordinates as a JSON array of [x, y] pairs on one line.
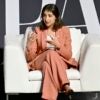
[[2, 22]]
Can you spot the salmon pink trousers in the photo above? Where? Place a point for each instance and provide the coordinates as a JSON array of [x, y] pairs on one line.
[[53, 68]]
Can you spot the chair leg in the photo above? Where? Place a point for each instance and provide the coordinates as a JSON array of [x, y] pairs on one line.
[[70, 97], [7, 96]]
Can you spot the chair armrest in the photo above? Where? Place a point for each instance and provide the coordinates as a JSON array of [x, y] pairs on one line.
[[15, 68], [90, 63]]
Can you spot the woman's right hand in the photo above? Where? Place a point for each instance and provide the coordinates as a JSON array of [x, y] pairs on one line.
[[32, 37]]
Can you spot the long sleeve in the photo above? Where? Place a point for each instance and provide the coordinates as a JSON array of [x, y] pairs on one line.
[[65, 49], [31, 49]]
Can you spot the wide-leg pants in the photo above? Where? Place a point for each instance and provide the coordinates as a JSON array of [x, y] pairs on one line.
[[54, 73]]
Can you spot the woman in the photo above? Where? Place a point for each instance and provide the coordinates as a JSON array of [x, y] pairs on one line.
[[49, 50]]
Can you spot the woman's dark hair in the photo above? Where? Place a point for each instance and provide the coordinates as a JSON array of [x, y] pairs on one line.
[[52, 8]]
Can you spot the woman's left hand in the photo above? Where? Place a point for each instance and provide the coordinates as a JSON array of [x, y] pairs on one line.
[[54, 41]]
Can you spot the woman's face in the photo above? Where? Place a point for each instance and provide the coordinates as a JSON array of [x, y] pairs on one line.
[[49, 19]]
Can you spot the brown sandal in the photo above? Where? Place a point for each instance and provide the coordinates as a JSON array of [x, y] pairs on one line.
[[67, 89]]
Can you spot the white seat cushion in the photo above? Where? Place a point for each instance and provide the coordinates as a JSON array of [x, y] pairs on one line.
[[27, 32], [76, 42], [72, 74]]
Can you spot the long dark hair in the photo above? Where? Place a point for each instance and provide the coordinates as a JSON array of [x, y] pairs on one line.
[[54, 9]]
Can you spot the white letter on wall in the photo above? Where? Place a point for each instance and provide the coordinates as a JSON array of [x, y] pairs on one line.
[[90, 16], [12, 17]]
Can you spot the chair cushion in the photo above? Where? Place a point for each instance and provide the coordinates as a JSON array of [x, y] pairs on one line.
[[76, 42], [28, 30], [36, 75]]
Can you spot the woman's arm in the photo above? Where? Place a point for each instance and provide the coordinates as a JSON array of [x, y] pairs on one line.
[[31, 47]]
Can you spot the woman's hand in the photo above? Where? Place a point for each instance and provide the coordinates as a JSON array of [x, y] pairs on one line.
[[54, 41], [32, 37]]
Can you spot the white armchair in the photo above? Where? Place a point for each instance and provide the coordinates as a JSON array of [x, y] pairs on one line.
[[85, 48]]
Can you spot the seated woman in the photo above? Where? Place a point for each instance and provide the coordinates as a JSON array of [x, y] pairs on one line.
[[49, 50]]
